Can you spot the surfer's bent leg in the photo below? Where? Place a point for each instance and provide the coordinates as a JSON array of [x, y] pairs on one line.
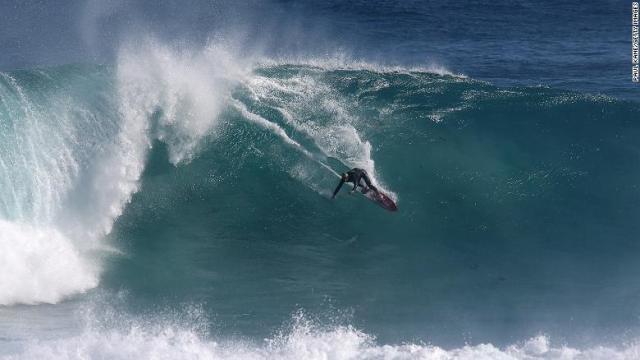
[[368, 182]]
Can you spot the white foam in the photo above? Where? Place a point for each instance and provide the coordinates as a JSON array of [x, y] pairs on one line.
[[303, 341], [41, 161], [40, 265]]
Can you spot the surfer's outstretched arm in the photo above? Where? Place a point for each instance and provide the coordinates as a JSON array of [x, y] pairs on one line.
[[335, 192]]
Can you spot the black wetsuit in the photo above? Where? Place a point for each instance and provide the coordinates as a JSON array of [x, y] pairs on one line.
[[354, 176]]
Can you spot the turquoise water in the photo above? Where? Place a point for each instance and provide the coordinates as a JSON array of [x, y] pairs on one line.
[[180, 203]]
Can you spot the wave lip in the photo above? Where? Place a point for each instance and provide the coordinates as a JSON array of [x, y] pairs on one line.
[[344, 63]]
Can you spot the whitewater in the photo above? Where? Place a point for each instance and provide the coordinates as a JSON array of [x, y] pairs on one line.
[[143, 203]]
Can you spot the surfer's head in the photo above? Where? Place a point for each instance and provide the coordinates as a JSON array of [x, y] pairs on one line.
[[344, 176]]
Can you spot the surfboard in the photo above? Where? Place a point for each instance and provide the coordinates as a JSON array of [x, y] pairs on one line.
[[381, 199]]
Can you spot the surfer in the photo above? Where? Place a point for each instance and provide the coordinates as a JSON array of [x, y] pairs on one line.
[[354, 176]]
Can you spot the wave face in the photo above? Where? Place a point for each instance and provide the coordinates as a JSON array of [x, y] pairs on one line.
[[195, 177]]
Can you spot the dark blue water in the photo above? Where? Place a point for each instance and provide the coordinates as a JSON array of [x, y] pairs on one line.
[[166, 172], [583, 46]]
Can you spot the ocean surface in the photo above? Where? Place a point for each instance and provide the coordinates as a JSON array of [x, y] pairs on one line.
[[166, 173]]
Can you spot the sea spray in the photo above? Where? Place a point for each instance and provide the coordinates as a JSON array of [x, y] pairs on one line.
[[51, 135], [172, 336]]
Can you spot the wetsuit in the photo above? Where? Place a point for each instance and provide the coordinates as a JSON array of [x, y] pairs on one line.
[[354, 176]]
